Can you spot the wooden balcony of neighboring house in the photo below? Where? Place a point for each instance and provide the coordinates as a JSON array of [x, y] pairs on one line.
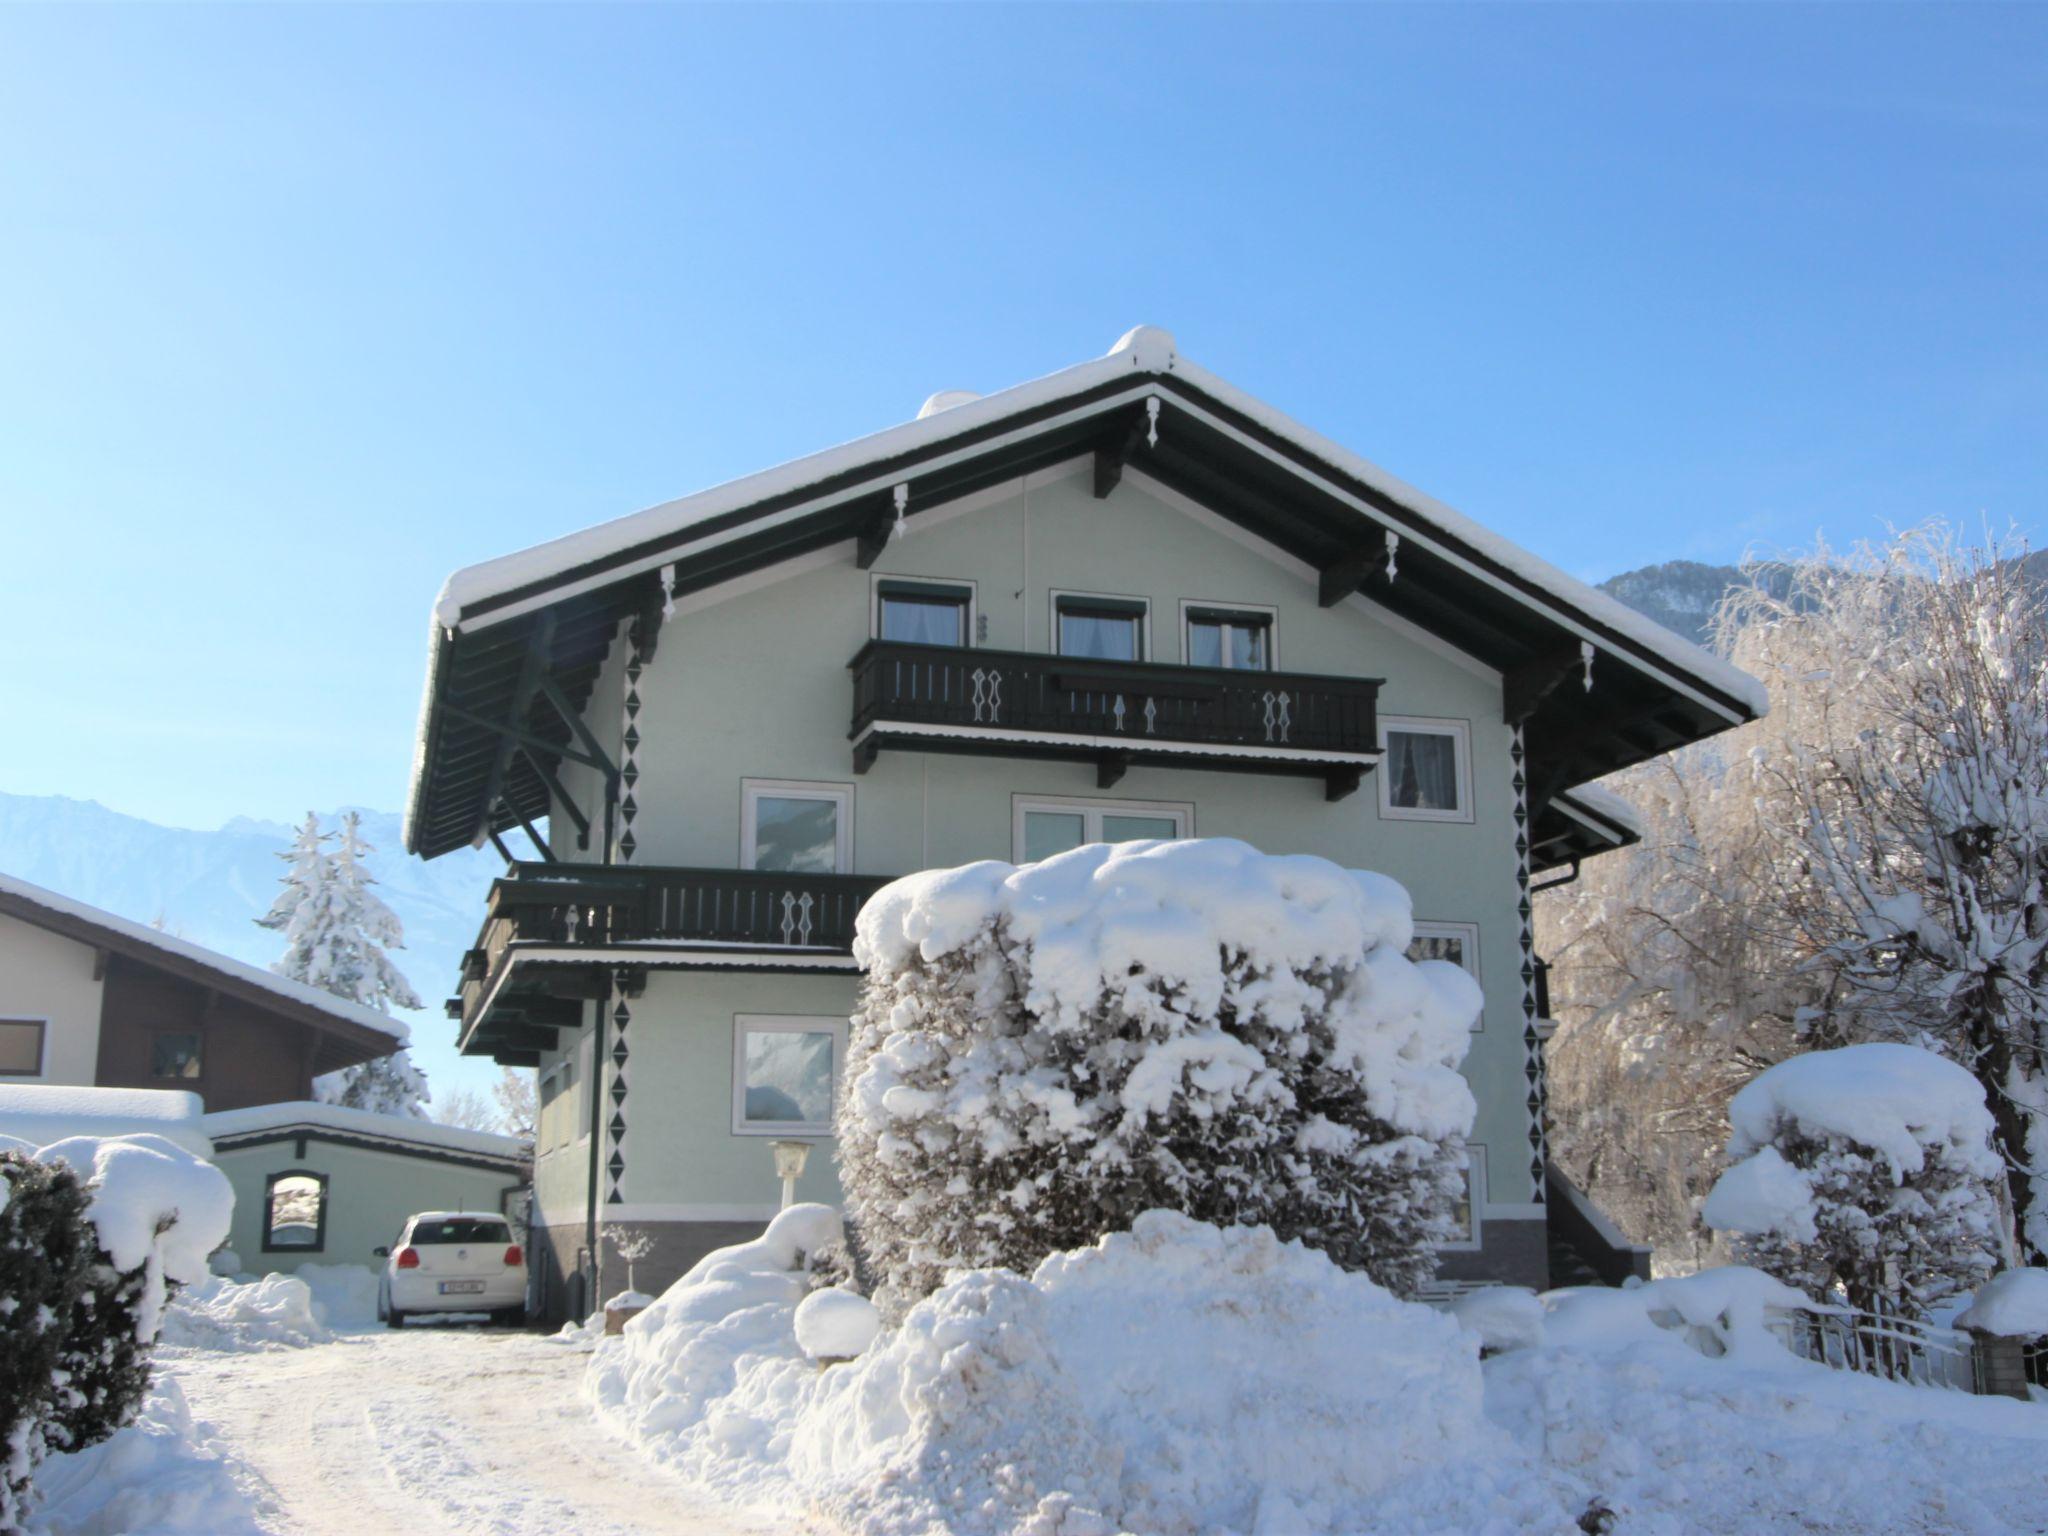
[[1116, 714], [557, 935]]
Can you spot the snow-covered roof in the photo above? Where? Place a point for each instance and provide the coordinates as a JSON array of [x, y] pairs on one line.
[[42, 1113], [228, 1124], [1646, 690], [1607, 805], [141, 936], [1143, 350]]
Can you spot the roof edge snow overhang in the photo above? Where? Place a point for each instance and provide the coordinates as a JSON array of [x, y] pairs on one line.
[[1142, 404]]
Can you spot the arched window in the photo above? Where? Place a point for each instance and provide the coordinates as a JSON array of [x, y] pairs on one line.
[[295, 1212]]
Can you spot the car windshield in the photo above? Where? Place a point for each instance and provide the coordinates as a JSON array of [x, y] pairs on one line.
[[461, 1229]]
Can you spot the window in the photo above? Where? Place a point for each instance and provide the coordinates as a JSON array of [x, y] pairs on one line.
[[1455, 942], [1100, 628], [785, 1072], [1239, 638], [431, 1231], [175, 1054], [21, 1047], [1472, 1202], [1426, 774], [805, 828], [295, 1212], [1041, 828], [923, 612]]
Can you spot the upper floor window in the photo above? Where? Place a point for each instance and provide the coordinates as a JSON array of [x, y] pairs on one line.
[[923, 612], [1100, 628], [798, 827], [1240, 638], [176, 1053], [1426, 774], [1042, 828], [21, 1047]]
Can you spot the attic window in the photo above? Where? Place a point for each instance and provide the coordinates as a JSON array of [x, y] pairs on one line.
[[1101, 628], [923, 612], [176, 1055]]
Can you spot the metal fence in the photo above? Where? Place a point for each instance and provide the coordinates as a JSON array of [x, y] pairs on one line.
[[1881, 1344]]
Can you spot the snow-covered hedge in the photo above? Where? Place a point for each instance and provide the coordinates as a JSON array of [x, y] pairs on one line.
[[94, 1233], [1870, 1168], [1042, 1053]]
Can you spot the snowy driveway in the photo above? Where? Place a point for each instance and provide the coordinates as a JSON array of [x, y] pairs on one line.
[[438, 1432]]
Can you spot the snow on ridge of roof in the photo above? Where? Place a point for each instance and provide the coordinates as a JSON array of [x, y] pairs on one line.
[[199, 954], [1605, 803], [1142, 349], [42, 1113], [363, 1122]]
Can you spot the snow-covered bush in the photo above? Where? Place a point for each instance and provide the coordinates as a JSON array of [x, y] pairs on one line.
[[94, 1233], [1042, 1053], [46, 1260], [1869, 1168]]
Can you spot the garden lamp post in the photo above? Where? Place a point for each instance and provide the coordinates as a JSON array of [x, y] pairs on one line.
[[790, 1157]]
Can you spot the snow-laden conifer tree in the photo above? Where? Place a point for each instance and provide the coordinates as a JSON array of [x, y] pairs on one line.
[[336, 930], [1868, 1168], [1043, 1053]]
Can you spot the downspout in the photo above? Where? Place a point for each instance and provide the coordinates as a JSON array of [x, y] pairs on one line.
[[604, 1003], [1564, 879]]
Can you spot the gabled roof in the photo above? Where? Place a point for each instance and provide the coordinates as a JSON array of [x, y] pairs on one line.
[[555, 608], [359, 1032]]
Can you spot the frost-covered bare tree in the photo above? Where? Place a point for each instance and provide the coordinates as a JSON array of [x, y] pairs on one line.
[[1866, 863]]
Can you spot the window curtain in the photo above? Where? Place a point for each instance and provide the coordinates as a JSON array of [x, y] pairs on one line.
[[1425, 772]]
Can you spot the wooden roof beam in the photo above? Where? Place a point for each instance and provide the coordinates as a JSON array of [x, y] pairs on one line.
[[1346, 574], [1528, 685], [1111, 458], [531, 672]]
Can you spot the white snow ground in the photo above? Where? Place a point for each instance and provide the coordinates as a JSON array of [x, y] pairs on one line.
[[436, 1432]]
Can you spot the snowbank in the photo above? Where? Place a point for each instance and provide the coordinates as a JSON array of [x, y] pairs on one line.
[[1894, 1099], [2012, 1305], [344, 1295], [1174, 1378], [161, 1476], [243, 1317]]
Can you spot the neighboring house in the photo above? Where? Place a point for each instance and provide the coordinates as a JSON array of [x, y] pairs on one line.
[[91, 999], [320, 1184], [1123, 601]]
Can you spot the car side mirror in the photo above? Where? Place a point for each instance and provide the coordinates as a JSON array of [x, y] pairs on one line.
[[382, 1253]]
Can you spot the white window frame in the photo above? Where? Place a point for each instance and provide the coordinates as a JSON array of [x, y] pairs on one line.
[[1092, 811], [1468, 935], [1475, 1194], [1053, 597], [1272, 615], [1460, 732], [784, 1023], [547, 1117], [973, 589], [751, 791], [42, 1027]]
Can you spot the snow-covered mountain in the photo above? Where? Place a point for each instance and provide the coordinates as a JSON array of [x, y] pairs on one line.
[[210, 887]]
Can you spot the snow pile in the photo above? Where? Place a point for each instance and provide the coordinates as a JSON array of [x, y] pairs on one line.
[[1504, 1317], [2013, 1305], [629, 1301], [157, 1208], [242, 1317], [1173, 1378], [835, 1324], [1043, 1052], [344, 1295], [161, 1476]]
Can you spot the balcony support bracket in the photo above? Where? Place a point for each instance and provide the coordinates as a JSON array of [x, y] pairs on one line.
[[1528, 685], [1345, 575], [1342, 782], [1110, 769], [864, 756]]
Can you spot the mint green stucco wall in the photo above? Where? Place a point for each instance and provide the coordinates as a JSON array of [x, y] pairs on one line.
[[369, 1195], [755, 686]]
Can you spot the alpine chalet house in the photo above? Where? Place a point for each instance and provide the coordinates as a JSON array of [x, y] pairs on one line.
[[1124, 601]]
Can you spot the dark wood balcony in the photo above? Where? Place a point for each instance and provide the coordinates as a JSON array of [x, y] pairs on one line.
[[562, 925], [930, 698]]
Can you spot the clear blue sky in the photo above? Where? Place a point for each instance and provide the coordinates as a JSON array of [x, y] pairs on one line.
[[301, 309]]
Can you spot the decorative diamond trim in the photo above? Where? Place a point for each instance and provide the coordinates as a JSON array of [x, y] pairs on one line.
[[1532, 1042]]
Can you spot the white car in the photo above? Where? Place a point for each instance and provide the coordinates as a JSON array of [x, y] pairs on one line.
[[453, 1261]]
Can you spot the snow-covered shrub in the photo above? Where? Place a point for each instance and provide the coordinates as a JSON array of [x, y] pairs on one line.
[[1042, 1053], [1869, 1168], [46, 1260]]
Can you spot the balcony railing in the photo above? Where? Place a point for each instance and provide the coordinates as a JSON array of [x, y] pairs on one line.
[[594, 907], [935, 698]]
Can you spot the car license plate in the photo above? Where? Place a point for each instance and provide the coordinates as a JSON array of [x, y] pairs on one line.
[[462, 1287]]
